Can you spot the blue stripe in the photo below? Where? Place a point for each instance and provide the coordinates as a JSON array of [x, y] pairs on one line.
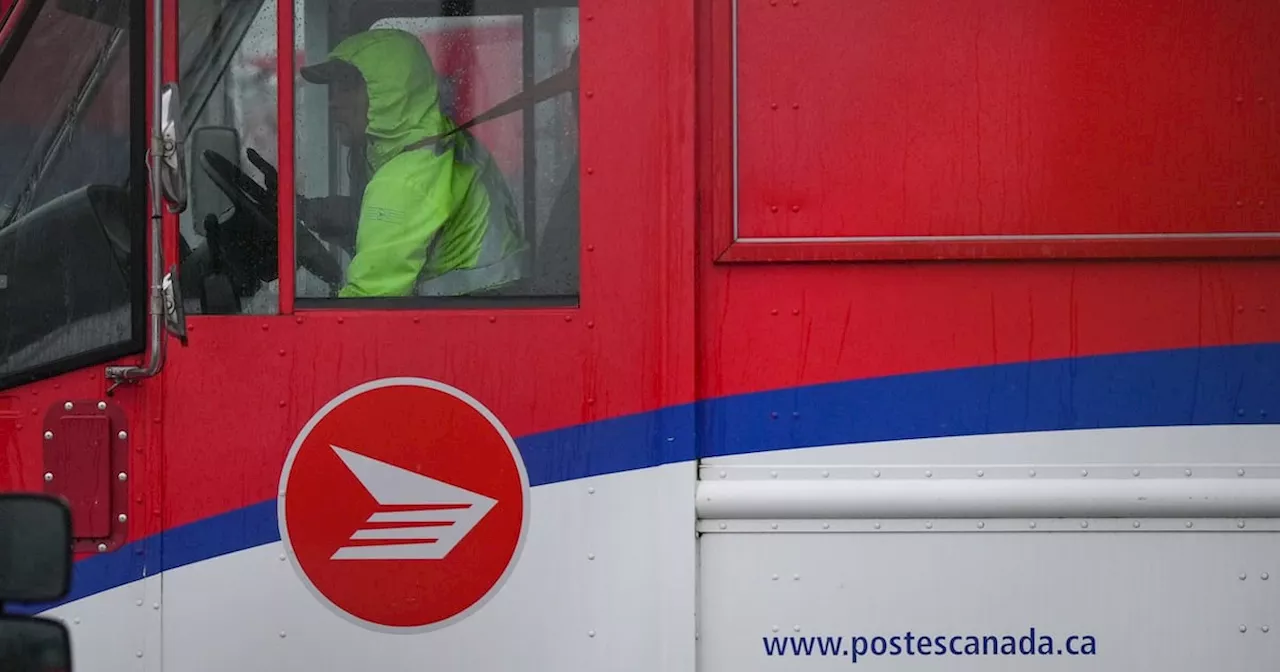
[[1202, 386]]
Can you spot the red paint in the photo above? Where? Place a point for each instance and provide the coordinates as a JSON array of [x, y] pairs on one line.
[[84, 454], [1004, 119], [661, 323], [391, 436], [285, 124]]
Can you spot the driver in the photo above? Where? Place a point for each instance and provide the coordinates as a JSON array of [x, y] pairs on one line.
[[437, 218]]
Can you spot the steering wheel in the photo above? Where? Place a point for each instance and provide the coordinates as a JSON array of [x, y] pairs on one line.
[[259, 204]]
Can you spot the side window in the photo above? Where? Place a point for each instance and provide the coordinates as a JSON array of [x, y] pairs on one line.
[[227, 62], [437, 155], [72, 180]]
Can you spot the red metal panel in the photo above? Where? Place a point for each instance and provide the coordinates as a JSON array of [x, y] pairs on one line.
[[967, 129], [86, 462], [627, 348], [769, 326], [285, 223]]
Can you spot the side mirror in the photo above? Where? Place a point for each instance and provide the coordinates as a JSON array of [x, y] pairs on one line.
[[206, 198], [173, 163], [31, 644], [35, 566], [35, 548]]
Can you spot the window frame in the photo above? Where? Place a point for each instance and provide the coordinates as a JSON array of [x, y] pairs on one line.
[[136, 344], [361, 15]]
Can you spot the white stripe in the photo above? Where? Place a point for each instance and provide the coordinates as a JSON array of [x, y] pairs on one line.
[[424, 533], [421, 516]]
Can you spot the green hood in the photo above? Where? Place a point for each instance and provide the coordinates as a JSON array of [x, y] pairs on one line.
[[404, 102]]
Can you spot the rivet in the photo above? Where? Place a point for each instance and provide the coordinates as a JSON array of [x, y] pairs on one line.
[[774, 415], [723, 526], [1239, 472], [68, 406], [795, 208], [928, 525], [775, 578], [155, 605], [1137, 472], [877, 526], [341, 320], [492, 319], [568, 318], [1084, 523], [826, 526], [795, 577], [123, 435], [1243, 576], [138, 603], [591, 248], [773, 208], [795, 311], [280, 352], [76, 620], [1266, 628], [122, 518], [981, 524], [591, 324], [138, 654], [281, 403], [298, 320], [773, 526], [1032, 473], [591, 556], [282, 557], [722, 474], [1244, 628], [591, 491], [1190, 524], [102, 548], [591, 400], [928, 474], [796, 628], [122, 476], [1265, 576], [1084, 472], [980, 473], [591, 94], [1137, 524], [264, 327], [282, 634], [1187, 472], [775, 628], [795, 106], [48, 436], [48, 476], [876, 473], [773, 474], [1240, 524], [591, 633], [1239, 99], [591, 171], [826, 474], [102, 405], [774, 106], [1033, 524]]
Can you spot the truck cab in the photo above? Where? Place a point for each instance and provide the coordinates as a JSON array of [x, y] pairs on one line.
[[849, 332]]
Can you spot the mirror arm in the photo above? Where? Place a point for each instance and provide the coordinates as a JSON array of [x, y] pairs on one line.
[[118, 375]]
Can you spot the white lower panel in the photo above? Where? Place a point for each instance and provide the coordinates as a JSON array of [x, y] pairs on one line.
[[1151, 601], [605, 582], [115, 631]]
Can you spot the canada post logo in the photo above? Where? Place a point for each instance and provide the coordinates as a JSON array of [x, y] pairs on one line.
[[403, 505]]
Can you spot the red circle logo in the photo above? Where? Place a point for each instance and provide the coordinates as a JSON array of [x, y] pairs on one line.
[[403, 504]]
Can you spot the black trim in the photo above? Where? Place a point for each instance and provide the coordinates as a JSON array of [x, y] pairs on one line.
[[137, 343]]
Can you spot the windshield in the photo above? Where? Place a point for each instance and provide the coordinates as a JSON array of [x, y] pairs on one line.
[[64, 122]]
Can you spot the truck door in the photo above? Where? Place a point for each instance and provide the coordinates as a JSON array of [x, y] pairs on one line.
[[295, 404], [73, 287]]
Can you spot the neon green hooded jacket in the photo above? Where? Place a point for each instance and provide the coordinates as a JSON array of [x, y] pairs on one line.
[[412, 195]]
